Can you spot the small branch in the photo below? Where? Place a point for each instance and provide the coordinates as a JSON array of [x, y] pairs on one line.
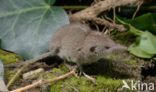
[[42, 82], [138, 7], [13, 79], [40, 57], [90, 78], [94, 10], [26, 64], [108, 24], [33, 74], [114, 15]]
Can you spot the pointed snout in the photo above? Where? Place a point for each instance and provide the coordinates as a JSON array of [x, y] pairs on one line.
[[118, 47]]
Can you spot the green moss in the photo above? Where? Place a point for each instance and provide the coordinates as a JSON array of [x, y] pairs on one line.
[[9, 74], [9, 57], [120, 37], [82, 84], [113, 56], [130, 62]]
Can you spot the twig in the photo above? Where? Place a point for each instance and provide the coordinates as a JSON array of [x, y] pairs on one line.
[[40, 57], [114, 15], [107, 23], [12, 80], [99, 7], [94, 10], [107, 18], [42, 82], [33, 74], [90, 78], [97, 28], [26, 64], [138, 7]]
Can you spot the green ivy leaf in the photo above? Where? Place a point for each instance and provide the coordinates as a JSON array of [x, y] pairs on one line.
[[50, 2], [145, 44], [27, 25], [132, 29], [137, 51], [146, 47], [148, 43], [144, 22]]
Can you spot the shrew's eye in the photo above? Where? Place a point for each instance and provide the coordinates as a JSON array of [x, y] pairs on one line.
[[92, 49], [107, 47]]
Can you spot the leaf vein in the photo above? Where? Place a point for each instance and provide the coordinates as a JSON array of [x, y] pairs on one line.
[[23, 11]]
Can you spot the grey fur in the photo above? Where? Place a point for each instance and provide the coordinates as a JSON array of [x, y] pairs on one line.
[[79, 44]]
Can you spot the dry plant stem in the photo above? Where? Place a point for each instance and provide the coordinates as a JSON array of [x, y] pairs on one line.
[[107, 23], [12, 80], [94, 10], [99, 7], [45, 55], [32, 74], [26, 64], [138, 7], [107, 18], [114, 15], [42, 82], [90, 78]]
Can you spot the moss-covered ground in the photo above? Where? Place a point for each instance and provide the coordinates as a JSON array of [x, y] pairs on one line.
[[82, 84]]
